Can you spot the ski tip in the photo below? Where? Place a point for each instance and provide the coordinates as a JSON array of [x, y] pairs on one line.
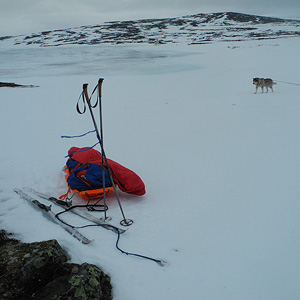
[[86, 241]]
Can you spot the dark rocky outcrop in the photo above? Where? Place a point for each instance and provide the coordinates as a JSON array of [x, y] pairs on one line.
[[40, 271], [10, 84]]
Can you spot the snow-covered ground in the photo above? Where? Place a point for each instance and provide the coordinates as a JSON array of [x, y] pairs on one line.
[[220, 164]]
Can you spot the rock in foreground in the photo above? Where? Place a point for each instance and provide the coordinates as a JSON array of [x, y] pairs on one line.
[[40, 271]]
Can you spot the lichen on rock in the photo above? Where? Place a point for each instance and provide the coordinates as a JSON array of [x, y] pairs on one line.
[[40, 271]]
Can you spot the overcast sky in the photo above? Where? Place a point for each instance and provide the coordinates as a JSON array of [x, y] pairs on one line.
[[28, 16]]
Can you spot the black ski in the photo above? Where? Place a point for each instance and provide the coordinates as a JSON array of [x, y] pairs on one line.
[[76, 211], [46, 210]]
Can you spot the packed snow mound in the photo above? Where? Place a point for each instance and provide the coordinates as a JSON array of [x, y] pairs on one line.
[[192, 29]]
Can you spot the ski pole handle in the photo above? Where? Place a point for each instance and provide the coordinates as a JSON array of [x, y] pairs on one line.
[[86, 93], [100, 86]]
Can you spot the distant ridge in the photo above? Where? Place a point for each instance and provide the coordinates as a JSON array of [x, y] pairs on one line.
[[226, 16], [245, 18], [192, 29]]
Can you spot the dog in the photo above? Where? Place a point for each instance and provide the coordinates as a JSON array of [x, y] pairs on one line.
[[263, 83]]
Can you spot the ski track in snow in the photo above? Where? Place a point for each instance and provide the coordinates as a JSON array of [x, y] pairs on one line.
[[220, 164]]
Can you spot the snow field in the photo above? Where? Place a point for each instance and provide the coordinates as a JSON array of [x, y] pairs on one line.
[[220, 165]]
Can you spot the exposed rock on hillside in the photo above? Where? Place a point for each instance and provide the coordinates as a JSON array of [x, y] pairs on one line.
[[193, 29]]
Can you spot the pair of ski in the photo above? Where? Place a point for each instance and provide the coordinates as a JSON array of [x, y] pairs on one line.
[[50, 214]]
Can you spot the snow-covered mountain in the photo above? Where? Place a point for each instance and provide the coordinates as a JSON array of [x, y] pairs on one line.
[[192, 29]]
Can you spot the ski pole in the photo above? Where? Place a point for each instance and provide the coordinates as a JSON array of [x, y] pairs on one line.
[[100, 81], [124, 222], [101, 139]]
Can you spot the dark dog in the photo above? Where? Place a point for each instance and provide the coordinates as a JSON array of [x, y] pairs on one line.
[[263, 83]]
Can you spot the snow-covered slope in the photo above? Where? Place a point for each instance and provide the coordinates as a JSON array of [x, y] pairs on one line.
[[220, 164], [194, 29]]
